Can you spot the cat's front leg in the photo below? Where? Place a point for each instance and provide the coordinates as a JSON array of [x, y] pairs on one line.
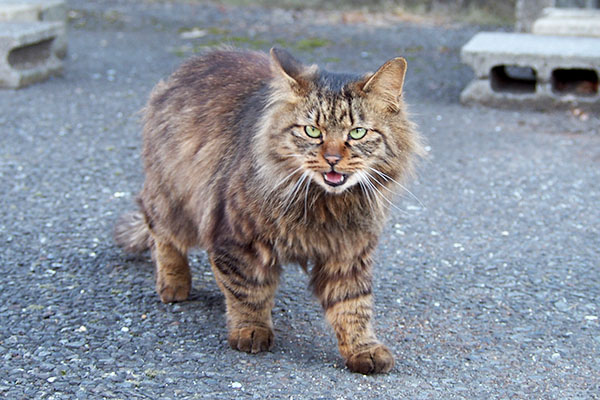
[[249, 286], [345, 291]]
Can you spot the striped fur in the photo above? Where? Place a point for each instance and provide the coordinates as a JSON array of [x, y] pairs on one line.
[[230, 168]]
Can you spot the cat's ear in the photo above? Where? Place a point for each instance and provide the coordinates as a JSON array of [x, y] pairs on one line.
[[385, 85], [291, 71]]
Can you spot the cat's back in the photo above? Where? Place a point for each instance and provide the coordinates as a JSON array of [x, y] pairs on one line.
[[203, 110], [217, 82]]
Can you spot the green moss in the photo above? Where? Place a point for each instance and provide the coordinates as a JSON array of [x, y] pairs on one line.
[[283, 43], [312, 43], [213, 30]]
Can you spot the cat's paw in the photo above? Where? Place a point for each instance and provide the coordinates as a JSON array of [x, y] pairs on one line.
[[173, 291], [251, 339], [376, 360]]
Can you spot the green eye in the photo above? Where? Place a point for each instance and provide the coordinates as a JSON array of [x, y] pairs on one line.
[[358, 133], [312, 132]]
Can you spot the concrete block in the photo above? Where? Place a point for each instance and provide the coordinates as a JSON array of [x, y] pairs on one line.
[[37, 10], [527, 11], [535, 70], [568, 22], [27, 52]]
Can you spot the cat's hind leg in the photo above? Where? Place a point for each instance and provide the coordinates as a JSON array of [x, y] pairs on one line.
[[173, 276], [249, 287]]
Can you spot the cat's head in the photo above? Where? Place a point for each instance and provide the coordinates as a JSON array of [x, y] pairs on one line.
[[337, 130]]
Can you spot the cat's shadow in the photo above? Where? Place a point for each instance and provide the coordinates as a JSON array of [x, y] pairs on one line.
[[206, 306], [206, 298]]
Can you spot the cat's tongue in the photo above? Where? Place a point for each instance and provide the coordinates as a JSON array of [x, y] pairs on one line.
[[334, 177]]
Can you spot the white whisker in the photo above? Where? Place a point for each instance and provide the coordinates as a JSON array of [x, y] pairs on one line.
[[308, 181], [281, 182], [374, 187], [389, 178], [289, 199], [367, 193]]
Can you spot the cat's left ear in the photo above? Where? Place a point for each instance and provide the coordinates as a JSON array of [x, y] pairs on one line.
[[386, 84]]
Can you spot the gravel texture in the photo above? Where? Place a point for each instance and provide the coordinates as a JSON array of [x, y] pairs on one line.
[[487, 287]]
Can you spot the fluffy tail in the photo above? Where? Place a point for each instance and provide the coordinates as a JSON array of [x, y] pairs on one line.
[[132, 233]]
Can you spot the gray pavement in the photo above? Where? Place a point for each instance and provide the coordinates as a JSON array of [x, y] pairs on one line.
[[489, 289]]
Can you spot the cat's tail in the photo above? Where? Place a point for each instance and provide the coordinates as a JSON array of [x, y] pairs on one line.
[[132, 233]]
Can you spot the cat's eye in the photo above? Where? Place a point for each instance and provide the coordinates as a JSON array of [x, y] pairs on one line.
[[358, 133], [312, 132]]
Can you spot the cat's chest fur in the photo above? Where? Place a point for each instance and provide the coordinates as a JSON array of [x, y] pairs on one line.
[[319, 227]]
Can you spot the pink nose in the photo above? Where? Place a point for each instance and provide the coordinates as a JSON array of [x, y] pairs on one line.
[[332, 159]]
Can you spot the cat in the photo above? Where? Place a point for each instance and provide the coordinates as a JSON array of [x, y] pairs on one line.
[[263, 161]]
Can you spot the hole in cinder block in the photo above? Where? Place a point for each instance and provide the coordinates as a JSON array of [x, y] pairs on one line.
[[581, 82], [513, 79], [30, 55]]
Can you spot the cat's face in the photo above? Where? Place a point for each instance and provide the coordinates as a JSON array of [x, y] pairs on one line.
[[334, 141], [340, 131]]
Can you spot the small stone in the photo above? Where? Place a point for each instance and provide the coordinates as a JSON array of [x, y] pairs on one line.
[[562, 305], [236, 385]]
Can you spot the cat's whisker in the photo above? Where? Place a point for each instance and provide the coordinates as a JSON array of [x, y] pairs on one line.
[[289, 199], [367, 194], [370, 188], [374, 187], [308, 181], [364, 180], [286, 178], [383, 185], [389, 178]]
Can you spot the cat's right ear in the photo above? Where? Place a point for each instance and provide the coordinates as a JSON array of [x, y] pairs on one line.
[[289, 70]]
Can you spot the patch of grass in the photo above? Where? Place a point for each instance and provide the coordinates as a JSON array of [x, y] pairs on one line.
[[114, 16], [312, 44], [251, 42], [238, 41], [412, 49], [283, 43], [213, 30]]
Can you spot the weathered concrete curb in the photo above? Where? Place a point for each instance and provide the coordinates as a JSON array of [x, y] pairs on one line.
[[568, 22], [27, 52], [542, 71]]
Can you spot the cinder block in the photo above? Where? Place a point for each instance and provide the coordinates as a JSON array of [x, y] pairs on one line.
[[568, 22], [27, 52], [535, 70], [527, 11], [37, 11]]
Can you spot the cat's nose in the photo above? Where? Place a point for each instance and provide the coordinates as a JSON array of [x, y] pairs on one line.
[[332, 159]]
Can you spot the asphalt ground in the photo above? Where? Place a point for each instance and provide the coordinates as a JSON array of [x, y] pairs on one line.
[[487, 287]]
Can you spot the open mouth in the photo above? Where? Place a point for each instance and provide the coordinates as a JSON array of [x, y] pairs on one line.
[[333, 178]]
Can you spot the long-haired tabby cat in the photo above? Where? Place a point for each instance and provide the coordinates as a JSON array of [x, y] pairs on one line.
[[264, 161]]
